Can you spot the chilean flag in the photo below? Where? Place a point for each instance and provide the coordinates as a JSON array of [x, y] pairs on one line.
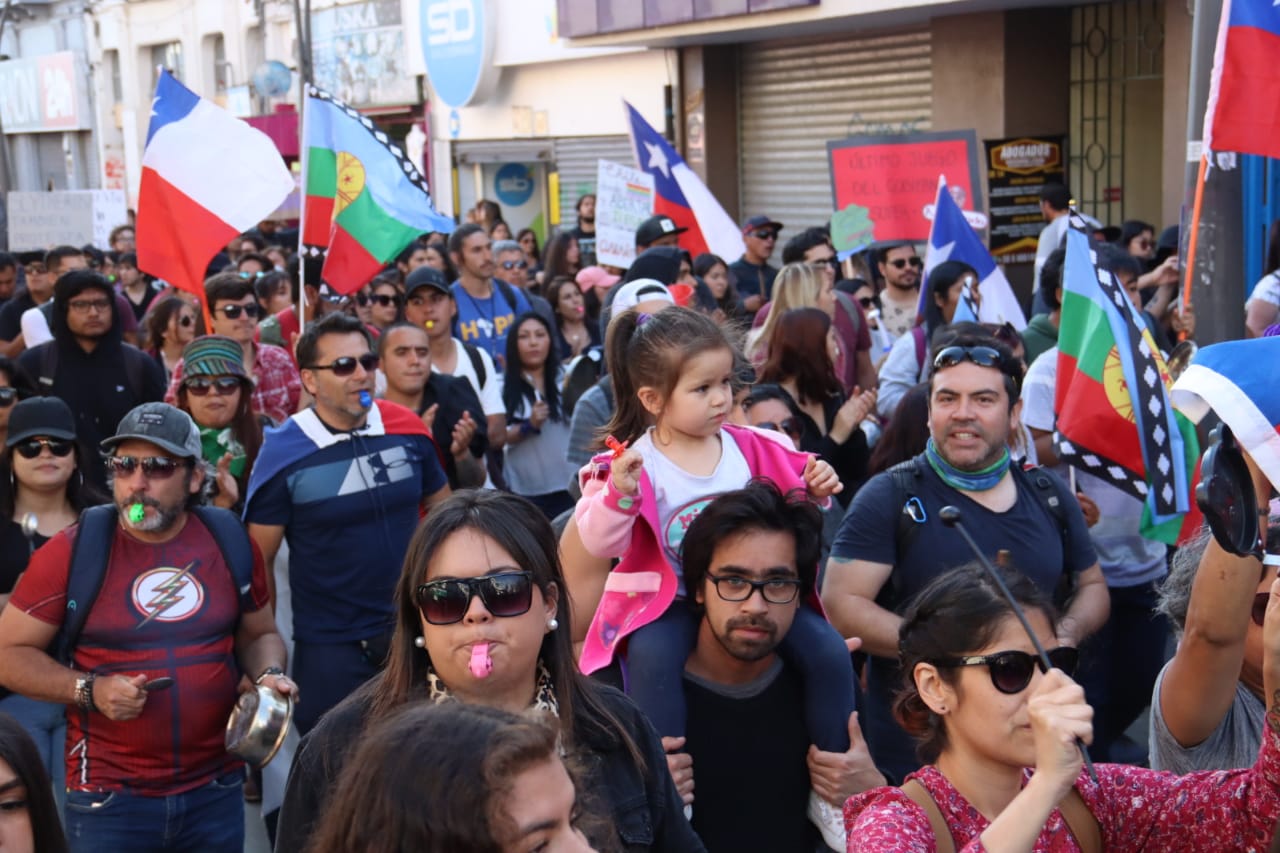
[[206, 177], [1236, 379], [681, 195], [1243, 114]]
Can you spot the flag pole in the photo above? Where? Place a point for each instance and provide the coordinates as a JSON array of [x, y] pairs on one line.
[[302, 213], [1189, 263]]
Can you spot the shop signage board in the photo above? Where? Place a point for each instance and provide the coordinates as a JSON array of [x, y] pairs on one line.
[[624, 199], [1017, 170], [39, 95], [884, 187]]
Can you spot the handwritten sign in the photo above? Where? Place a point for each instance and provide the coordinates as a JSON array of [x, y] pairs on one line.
[[889, 180], [624, 199], [40, 220]]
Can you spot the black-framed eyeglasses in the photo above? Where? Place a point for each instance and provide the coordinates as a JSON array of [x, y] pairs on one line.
[[387, 299], [233, 312], [774, 590], [346, 365], [901, 263], [515, 265], [223, 386], [32, 447], [791, 426], [153, 467], [765, 234], [8, 396], [446, 601], [84, 306], [1011, 671], [980, 355]]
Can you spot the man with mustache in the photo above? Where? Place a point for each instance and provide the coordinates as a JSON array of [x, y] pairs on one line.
[[750, 560]]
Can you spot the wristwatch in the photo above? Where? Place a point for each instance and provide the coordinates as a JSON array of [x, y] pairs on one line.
[[271, 670], [84, 692]]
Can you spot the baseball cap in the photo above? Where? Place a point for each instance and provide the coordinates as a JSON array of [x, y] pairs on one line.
[[656, 227], [213, 355], [755, 223], [163, 425], [633, 293], [589, 277], [36, 416], [425, 276]]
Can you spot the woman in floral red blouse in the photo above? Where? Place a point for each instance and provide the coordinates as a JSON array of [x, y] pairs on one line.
[[999, 737]]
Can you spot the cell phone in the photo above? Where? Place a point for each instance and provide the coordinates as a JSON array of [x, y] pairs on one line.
[[155, 685]]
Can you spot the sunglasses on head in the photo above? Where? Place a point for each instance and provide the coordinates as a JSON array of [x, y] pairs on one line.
[[901, 263], [31, 448], [8, 396], [386, 299], [153, 467], [221, 385], [233, 312], [979, 355], [1011, 671], [515, 265], [346, 365], [765, 234], [446, 601]]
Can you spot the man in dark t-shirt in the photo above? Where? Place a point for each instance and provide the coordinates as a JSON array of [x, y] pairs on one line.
[[875, 569], [749, 559], [752, 274]]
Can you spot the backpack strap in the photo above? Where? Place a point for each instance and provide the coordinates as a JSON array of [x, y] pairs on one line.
[[136, 368], [1051, 498], [477, 364], [920, 795], [1083, 825], [233, 541], [85, 573], [508, 293], [911, 512], [48, 367]]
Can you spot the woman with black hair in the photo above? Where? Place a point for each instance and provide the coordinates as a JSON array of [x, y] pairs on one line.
[[535, 462], [28, 816], [170, 325], [482, 618], [713, 272], [561, 258]]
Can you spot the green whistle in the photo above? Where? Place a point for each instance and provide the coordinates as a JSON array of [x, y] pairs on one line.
[[136, 513]]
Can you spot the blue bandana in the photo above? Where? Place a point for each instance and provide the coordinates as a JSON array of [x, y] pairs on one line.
[[967, 481]]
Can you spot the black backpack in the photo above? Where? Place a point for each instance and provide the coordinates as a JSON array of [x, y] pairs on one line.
[[92, 548]]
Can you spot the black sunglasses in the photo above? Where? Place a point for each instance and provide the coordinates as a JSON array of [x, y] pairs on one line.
[[233, 311], [31, 448], [187, 320], [979, 355], [446, 601], [385, 299], [900, 263], [1011, 671], [8, 396], [153, 467], [867, 302], [202, 385], [790, 426], [346, 365]]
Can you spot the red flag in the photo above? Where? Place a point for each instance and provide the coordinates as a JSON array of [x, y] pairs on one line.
[[1243, 113]]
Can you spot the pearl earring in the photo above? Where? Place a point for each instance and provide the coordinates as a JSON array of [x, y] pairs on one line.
[[420, 641], [552, 624]]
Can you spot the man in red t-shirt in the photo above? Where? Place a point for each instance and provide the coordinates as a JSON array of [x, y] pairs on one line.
[[146, 764]]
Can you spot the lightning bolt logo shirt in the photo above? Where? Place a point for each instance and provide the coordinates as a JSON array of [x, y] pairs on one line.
[[168, 609]]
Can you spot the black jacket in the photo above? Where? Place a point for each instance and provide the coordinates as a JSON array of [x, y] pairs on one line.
[[455, 396], [642, 802]]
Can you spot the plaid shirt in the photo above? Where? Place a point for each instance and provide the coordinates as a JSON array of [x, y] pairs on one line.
[[277, 388]]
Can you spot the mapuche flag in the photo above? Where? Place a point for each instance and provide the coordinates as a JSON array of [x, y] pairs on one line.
[[1115, 419], [365, 201], [1243, 113]]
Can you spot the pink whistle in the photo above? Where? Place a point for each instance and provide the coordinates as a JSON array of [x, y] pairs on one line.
[[481, 663]]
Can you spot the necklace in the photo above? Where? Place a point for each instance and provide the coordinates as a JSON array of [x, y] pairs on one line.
[[486, 322]]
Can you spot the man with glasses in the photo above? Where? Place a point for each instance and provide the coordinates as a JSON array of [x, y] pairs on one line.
[[345, 480], [88, 364], [750, 562], [234, 312], [900, 299], [891, 542], [752, 274], [180, 619], [514, 270]]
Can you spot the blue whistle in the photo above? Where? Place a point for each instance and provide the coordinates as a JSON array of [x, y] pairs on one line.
[[366, 399]]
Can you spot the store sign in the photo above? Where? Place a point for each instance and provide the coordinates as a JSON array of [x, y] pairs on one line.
[[1017, 170], [593, 17], [359, 54], [457, 47], [513, 185], [40, 94]]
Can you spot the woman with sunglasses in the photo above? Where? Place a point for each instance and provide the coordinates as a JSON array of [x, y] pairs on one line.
[[385, 302], [1002, 741], [800, 362], [215, 393], [482, 618], [170, 326], [42, 494]]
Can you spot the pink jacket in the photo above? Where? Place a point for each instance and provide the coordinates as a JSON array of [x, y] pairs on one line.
[[643, 585]]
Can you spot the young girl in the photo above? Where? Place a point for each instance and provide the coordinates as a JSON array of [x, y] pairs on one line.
[[672, 378]]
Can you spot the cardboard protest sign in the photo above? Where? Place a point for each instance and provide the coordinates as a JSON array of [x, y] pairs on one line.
[[40, 220], [624, 199]]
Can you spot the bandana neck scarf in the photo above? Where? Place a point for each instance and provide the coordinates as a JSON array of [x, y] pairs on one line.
[[216, 443], [544, 697], [967, 481]]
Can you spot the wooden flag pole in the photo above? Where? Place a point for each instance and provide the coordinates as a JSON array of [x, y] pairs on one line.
[[302, 215], [1189, 263]]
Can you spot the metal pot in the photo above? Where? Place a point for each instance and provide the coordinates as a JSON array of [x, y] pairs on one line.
[[258, 725]]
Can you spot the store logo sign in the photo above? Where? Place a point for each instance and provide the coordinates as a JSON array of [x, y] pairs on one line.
[[513, 185], [457, 46]]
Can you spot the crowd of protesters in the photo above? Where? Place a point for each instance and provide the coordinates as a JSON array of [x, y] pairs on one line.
[[552, 555]]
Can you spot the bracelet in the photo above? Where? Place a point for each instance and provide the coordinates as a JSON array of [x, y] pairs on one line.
[[84, 692], [271, 670]]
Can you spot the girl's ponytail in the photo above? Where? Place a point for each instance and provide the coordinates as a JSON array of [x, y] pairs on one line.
[[630, 419]]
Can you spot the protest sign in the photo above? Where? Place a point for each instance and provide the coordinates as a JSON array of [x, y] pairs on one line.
[[624, 199], [40, 220], [1017, 170], [881, 185]]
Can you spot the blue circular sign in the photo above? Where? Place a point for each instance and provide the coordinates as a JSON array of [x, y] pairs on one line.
[[513, 185], [455, 47]]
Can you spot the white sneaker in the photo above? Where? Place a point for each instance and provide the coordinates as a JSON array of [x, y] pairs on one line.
[[829, 820]]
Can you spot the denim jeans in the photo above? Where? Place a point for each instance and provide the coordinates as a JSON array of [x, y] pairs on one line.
[[46, 722], [209, 819]]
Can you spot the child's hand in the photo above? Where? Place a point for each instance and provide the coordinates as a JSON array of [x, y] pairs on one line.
[[626, 472], [820, 479]]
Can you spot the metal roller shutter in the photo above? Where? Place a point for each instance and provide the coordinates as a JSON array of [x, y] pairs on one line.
[[795, 96], [575, 160]]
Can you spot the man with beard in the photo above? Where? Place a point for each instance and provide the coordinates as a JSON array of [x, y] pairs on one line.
[[487, 307], [181, 606], [891, 542], [585, 233], [900, 268], [750, 559]]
